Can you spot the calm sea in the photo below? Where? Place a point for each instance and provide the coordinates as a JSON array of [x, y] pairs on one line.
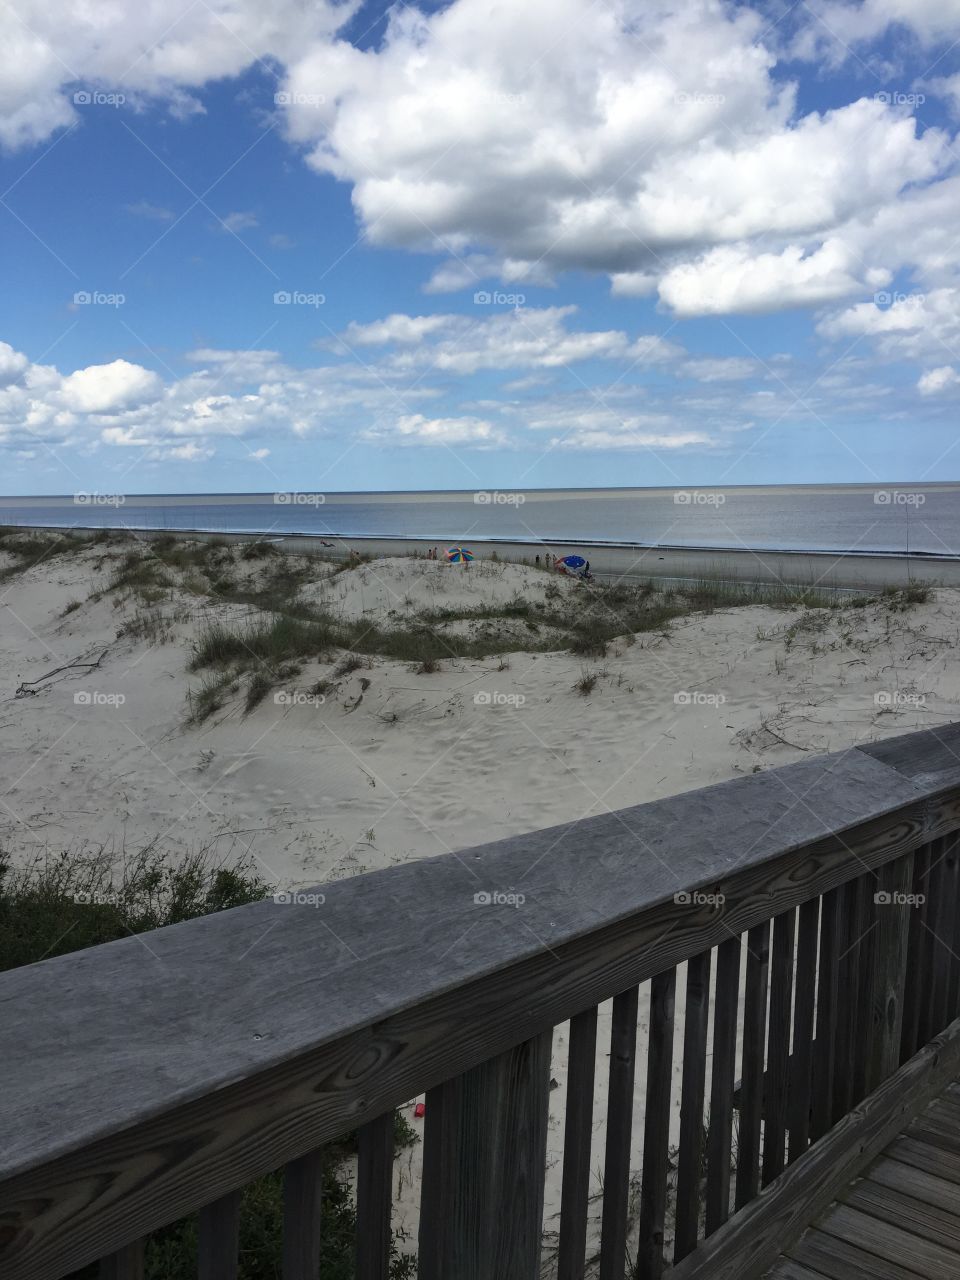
[[905, 517]]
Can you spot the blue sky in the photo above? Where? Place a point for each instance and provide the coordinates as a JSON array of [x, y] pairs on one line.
[[260, 247]]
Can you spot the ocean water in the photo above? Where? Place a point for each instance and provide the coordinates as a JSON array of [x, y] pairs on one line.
[[892, 517]]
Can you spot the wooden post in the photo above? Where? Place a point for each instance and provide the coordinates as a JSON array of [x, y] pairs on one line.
[[374, 1198], [720, 1137], [481, 1215], [752, 1074], [302, 1206], [656, 1129], [616, 1164], [578, 1133], [690, 1155], [894, 884], [125, 1264], [219, 1238]]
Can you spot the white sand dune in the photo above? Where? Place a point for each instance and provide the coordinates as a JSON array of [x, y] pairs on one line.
[[393, 765]]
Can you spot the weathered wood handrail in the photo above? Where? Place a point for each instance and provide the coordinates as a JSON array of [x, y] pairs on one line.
[[144, 1079]]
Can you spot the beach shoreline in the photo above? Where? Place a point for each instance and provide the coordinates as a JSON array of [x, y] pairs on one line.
[[826, 570]]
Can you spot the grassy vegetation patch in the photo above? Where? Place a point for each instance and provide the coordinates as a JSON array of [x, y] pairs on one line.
[[77, 901]]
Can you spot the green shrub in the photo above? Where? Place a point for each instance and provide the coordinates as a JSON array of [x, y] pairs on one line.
[[78, 901]]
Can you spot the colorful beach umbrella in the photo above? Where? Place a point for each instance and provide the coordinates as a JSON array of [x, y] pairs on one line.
[[575, 563], [459, 555]]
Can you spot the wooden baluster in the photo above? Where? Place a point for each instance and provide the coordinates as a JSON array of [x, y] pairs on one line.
[[847, 981], [302, 1204], [616, 1168], [916, 945], [866, 960], [656, 1126], [125, 1264], [577, 1139], [889, 969], [720, 1138], [801, 1075], [690, 1155], [953, 1000], [484, 1156], [945, 909], [778, 1046], [824, 1066], [219, 1238], [934, 993], [374, 1198], [752, 1063]]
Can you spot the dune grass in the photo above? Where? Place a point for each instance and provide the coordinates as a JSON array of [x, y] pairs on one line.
[[59, 906]]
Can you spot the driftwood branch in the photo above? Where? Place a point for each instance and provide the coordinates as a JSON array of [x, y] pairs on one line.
[[32, 686]]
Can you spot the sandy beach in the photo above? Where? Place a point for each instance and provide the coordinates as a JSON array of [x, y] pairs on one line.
[[352, 761]]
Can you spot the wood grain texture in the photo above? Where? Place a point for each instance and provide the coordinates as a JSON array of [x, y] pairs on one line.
[[720, 1134], [837, 1260], [692, 1091], [778, 1046], [395, 985], [752, 1072], [482, 1207], [125, 1264], [918, 1154], [302, 1205], [890, 1243], [939, 1226], [916, 942], [824, 1062], [914, 1182], [848, 980], [656, 1127], [945, 906], [616, 1164], [218, 1232], [887, 975], [750, 1243], [787, 1269], [930, 1014], [374, 1197], [577, 1143], [801, 1067]]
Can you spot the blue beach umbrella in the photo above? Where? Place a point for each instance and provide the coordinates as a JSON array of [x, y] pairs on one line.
[[573, 562], [459, 555]]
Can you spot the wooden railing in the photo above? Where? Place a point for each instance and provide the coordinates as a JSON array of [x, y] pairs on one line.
[[148, 1078]]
